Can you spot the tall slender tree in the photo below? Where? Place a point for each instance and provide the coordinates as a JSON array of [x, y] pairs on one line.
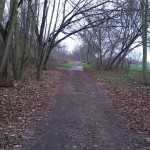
[[144, 8]]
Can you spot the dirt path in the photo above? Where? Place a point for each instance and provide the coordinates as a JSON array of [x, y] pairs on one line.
[[82, 119]]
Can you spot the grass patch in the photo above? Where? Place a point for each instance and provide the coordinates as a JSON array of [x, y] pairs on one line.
[[112, 76], [87, 66], [139, 68], [66, 65], [137, 76], [132, 76]]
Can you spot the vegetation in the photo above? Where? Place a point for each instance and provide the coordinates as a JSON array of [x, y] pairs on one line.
[[66, 65], [31, 29], [87, 66], [139, 68], [144, 9], [131, 99], [29, 35], [133, 75], [115, 77], [112, 76]]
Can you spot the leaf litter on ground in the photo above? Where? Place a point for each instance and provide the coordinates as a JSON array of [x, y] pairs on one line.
[[132, 99], [24, 105]]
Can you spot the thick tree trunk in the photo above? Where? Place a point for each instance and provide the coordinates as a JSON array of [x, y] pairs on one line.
[[40, 61], [2, 6], [9, 35]]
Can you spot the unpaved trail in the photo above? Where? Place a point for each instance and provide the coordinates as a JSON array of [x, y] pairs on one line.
[[82, 119]]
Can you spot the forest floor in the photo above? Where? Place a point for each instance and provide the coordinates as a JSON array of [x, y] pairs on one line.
[[85, 111], [24, 104], [132, 100]]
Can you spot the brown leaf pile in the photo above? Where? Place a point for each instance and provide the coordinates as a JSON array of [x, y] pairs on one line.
[[23, 105], [131, 98]]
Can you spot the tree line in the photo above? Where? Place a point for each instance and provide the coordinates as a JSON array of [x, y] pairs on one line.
[[31, 29], [115, 39]]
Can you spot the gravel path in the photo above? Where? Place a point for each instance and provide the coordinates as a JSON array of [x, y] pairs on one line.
[[82, 119]]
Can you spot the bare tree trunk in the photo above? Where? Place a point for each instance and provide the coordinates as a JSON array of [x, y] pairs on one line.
[[26, 55], [144, 5], [41, 52], [17, 63], [33, 26], [8, 37], [2, 6]]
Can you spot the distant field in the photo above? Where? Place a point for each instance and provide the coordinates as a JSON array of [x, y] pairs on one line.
[[138, 68]]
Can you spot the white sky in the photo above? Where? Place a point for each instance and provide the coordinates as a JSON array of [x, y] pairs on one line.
[[71, 43]]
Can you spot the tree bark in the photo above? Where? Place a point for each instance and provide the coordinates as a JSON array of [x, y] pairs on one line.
[[17, 57], [144, 5], [33, 26], [2, 6], [8, 37], [26, 54]]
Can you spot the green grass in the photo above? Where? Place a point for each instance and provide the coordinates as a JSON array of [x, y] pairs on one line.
[[135, 73], [138, 68], [112, 76], [87, 66], [132, 76], [66, 65]]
